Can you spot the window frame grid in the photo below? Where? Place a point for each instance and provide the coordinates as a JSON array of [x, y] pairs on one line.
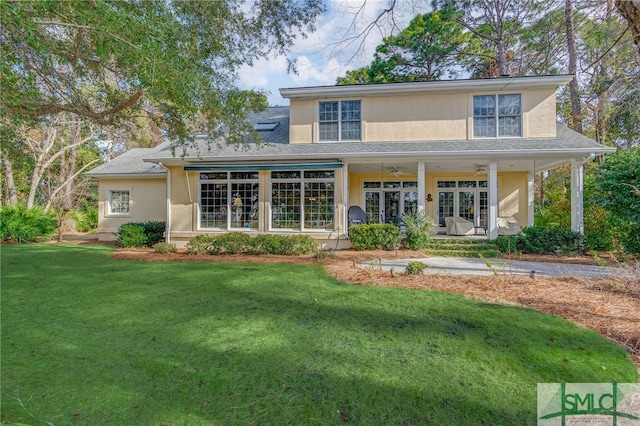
[[111, 211], [342, 116], [301, 207], [230, 211], [496, 119]]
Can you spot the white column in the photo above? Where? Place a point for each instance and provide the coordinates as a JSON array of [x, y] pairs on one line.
[[493, 201], [421, 187], [531, 195], [345, 197], [577, 187]]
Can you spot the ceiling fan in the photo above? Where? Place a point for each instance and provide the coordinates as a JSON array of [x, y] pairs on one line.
[[480, 169], [395, 171]]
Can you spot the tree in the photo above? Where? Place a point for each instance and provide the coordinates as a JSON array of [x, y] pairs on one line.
[[618, 185], [109, 61], [630, 10]]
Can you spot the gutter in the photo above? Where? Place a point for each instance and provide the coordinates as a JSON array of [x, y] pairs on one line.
[[167, 230]]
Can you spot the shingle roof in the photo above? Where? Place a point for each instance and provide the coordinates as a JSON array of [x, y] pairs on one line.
[[277, 148]]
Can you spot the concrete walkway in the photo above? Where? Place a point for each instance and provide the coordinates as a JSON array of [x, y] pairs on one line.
[[475, 266]]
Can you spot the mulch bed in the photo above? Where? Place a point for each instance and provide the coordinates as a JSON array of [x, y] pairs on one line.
[[591, 303]]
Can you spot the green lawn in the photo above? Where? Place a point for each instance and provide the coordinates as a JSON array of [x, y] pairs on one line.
[[87, 340]]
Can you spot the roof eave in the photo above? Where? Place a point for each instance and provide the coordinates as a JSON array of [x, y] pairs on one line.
[[440, 86]]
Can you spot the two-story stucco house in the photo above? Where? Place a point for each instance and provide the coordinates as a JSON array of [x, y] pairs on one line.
[[463, 148]]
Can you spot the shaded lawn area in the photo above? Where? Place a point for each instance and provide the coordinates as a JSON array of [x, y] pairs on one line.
[[91, 340]]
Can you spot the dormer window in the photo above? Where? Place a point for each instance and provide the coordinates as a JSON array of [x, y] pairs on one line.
[[339, 121], [503, 121], [266, 127]]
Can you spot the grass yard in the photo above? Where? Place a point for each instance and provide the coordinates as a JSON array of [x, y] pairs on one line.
[[89, 340]]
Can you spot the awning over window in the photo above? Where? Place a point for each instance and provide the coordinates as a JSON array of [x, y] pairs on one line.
[[301, 166]]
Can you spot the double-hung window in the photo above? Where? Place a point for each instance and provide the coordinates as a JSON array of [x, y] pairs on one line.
[[497, 116], [229, 200], [340, 121], [303, 200], [119, 203]]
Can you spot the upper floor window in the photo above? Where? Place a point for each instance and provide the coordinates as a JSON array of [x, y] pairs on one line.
[[340, 121], [503, 121]]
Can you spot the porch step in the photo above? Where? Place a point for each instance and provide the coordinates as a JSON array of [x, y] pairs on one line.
[[461, 248]]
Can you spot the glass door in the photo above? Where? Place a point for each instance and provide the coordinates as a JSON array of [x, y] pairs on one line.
[[466, 205], [392, 206], [372, 206], [445, 206]]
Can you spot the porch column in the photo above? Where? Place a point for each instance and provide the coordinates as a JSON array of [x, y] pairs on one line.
[[531, 197], [577, 187], [421, 187], [345, 198], [493, 201]]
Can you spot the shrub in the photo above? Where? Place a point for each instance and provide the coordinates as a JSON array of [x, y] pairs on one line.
[[419, 229], [375, 236], [294, 245], [415, 268], [230, 243], [22, 225], [541, 240], [132, 235], [141, 234], [165, 248], [86, 219], [265, 244], [199, 244], [507, 244]]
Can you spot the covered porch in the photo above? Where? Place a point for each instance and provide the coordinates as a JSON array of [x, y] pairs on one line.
[[478, 191]]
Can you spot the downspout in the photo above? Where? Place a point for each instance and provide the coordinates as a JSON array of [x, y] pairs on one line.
[[167, 230]]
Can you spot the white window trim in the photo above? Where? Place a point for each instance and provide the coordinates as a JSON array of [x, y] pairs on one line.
[[301, 180], [109, 212], [340, 139], [228, 181], [496, 117]]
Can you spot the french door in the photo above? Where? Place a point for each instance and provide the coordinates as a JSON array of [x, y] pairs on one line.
[[386, 201], [464, 198]]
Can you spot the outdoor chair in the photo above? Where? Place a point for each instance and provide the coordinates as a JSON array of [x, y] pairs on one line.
[[356, 216]]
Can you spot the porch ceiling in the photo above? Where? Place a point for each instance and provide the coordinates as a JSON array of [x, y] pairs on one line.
[[405, 166]]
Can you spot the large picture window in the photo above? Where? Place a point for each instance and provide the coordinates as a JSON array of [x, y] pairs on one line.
[[497, 116], [229, 200], [303, 200], [340, 121], [119, 202]]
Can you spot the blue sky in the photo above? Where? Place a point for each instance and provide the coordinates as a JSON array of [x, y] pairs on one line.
[[327, 53]]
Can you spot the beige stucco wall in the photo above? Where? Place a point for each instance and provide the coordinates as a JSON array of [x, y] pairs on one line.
[[425, 117], [147, 197], [512, 191]]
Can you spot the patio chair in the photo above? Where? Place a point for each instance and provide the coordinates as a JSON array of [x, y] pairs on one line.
[[459, 226], [356, 216]]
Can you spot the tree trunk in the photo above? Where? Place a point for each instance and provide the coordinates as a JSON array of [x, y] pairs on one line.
[[576, 107], [630, 10], [12, 193]]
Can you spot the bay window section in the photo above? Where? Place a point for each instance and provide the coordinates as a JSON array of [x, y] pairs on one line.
[[229, 200], [303, 200]]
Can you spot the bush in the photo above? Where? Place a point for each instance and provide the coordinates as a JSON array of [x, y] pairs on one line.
[[230, 243], [295, 245], [141, 234], [239, 242], [165, 248], [22, 225], [551, 240], [86, 219], [415, 268], [200, 244], [419, 229], [507, 244], [375, 236]]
